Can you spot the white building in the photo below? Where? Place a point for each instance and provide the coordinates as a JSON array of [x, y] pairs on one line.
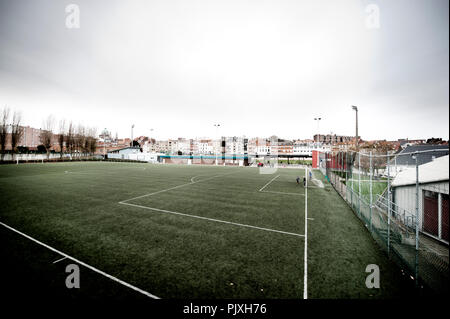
[[204, 147], [133, 154], [303, 149], [181, 145], [234, 145], [433, 196]]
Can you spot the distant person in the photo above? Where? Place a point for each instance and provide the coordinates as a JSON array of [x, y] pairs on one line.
[[310, 175], [304, 181], [298, 180]]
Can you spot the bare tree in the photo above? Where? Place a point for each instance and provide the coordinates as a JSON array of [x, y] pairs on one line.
[[3, 130], [91, 141], [80, 139], [16, 131], [46, 135], [70, 139], [61, 136]]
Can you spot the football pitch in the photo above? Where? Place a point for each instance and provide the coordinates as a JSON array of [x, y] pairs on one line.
[[140, 231]]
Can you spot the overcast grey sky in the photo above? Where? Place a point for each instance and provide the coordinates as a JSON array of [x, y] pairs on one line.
[[256, 67]]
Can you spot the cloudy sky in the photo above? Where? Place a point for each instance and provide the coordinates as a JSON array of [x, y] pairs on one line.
[[256, 67]]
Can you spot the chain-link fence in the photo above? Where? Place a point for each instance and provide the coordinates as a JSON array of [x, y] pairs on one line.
[[403, 199]]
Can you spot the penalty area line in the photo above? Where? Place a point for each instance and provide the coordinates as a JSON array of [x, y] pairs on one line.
[[261, 189], [82, 263], [175, 187], [213, 220]]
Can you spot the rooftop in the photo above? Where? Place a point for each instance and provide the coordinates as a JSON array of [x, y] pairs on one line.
[[434, 171]]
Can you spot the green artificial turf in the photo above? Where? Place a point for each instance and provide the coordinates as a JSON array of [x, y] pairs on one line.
[[213, 235]]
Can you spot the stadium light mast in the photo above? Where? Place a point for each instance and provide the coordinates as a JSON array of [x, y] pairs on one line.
[[151, 133], [318, 125], [104, 142], [132, 126], [356, 136], [217, 132]]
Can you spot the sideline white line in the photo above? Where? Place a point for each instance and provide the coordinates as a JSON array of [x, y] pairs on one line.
[[61, 259], [269, 183], [178, 186], [83, 264], [305, 279], [284, 193], [213, 220]]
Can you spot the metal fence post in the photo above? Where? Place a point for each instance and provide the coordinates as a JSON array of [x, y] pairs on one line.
[[370, 188], [335, 169], [395, 163], [346, 181], [359, 183], [342, 171], [389, 205], [351, 176], [417, 221]]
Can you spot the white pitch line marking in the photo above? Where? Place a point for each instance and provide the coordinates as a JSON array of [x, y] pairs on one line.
[[56, 261], [269, 183], [284, 193], [175, 187], [310, 218], [213, 219], [192, 179], [83, 264], [305, 279]]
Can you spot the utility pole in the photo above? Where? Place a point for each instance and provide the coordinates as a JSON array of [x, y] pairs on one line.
[[356, 136]]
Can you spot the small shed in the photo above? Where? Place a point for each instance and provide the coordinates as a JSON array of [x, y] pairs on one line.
[[124, 153], [433, 196]]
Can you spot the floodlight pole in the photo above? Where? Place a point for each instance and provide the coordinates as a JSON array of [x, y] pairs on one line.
[[132, 144], [356, 136], [104, 142], [318, 131], [217, 133], [151, 133]]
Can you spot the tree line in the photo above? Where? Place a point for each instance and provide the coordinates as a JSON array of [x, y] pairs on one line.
[[75, 140]]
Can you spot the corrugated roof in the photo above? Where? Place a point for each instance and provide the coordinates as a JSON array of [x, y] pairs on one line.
[[423, 158], [435, 171]]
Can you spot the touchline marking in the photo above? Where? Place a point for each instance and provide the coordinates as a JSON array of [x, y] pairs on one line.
[[269, 183], [83, 264], [213, 219], [175, 187], [56, 261], [284, 193], [305, 279]]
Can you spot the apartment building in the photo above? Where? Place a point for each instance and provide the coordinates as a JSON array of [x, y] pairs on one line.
[[234, 145], [204, 146], [333, 138]]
